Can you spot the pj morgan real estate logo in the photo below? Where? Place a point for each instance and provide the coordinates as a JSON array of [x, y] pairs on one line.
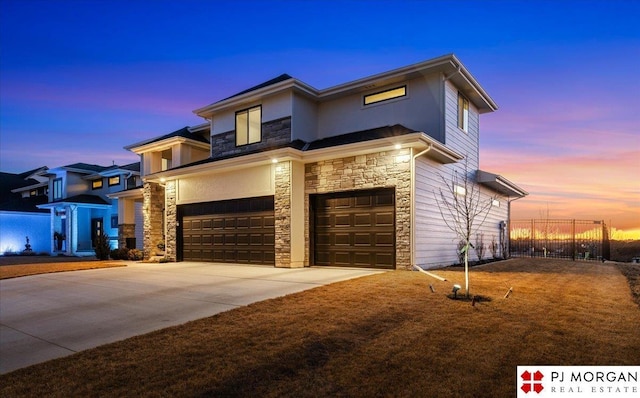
[[578, 381]]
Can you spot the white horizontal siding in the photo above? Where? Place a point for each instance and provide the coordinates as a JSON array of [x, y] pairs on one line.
[[436, 244], [465, 143]]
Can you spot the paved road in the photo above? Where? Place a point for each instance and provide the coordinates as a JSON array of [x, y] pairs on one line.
[[53, 315]]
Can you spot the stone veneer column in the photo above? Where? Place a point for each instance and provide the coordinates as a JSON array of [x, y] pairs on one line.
[[152, 209], [289, 210], [390, 169], [282, 213], [171, 218]]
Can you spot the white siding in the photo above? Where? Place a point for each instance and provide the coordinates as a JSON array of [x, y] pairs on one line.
[[465, 143], [436, 244]]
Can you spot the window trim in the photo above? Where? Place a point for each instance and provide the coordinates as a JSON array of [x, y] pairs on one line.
[[247, 111], [59, 194], [113, 184], [93, 184], [364, 97], [463, 112]]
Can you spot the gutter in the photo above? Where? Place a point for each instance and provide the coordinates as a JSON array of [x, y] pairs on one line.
[[413, 203]]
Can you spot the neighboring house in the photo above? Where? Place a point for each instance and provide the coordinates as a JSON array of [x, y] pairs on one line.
[[20, 218], [289, 175], [79, 207]]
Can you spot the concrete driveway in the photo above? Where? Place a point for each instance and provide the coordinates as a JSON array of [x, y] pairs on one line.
[[53, 315]]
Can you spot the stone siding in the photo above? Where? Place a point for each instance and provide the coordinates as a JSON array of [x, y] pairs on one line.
[[274, 133], [152, 209], [125, 231], [171, 218], [376, 170], [282, 214]]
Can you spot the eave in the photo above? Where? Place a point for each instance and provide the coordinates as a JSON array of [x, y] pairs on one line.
[[143, 147], [419, 141], [500, 184], [136, 193]]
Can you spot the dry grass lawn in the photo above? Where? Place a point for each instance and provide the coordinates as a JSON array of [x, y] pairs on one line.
[[14, 271], [382, 335]]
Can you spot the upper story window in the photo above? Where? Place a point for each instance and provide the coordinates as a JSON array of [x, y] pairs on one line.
[[114, 181], [249, 126], [463, 112], [385, 95], [57, 189], [131, 182], [167, 157], [96, 184]]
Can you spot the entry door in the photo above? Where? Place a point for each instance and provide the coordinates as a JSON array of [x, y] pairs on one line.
[[96, 229]]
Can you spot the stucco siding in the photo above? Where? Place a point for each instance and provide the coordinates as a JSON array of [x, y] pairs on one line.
[[418, 110], [244, 183], [304, 122]]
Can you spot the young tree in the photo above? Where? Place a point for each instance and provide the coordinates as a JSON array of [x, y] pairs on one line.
[[463, 210]]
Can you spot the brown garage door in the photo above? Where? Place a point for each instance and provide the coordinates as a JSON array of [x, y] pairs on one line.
[[355, 229], [233, 231]]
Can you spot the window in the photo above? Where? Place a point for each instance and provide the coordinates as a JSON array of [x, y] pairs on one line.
[[114, 221], [460, 190], [167, 156], [249, 126], [114, 181], [57, 188], [33, 192], [385, 95], [96, 184], [463, 112]]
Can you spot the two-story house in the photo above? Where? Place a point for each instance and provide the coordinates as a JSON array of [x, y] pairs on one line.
[[80, 208], [20, 218], [290, 175]]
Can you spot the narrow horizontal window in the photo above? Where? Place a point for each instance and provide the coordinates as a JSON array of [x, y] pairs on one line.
[[96, 184], [460, 190], [385, 95], [114, 180]]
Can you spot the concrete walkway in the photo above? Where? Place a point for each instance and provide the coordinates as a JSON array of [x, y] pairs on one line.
[[53, 315]]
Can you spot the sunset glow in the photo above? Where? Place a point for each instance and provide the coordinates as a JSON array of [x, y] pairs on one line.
[[83, 79]]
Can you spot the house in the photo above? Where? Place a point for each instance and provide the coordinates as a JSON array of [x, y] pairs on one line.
[[20, 218], [289, 175], [79, 207]]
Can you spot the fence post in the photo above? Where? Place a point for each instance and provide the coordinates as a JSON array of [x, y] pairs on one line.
[[532, 247], [573, 239]]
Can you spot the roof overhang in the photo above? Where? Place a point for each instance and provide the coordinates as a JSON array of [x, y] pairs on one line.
[[418, 141], [64, 203], [500, 184], [448, 65], [256, 95], [136, 193], [146, 146], [30, 187]]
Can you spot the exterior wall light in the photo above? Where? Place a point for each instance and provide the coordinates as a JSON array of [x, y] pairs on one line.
[[274, 161], [163, 180], [397, 146]]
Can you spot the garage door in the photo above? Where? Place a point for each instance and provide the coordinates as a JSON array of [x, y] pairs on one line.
[[232, 231], [355, 229]]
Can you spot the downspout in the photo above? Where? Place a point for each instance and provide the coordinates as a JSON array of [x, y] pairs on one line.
[[413, 204]]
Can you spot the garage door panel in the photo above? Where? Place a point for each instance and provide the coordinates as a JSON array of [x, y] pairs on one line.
[[238, 231], [355, 229]]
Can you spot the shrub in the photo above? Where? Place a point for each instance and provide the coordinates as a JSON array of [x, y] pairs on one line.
[[103, 247], [135, 255], [120, 254], [480, 246]]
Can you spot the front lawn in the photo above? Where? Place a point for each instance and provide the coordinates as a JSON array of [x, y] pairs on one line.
[[382, 335]]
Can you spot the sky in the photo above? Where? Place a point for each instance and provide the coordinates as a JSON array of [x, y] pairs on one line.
[[81, 79]]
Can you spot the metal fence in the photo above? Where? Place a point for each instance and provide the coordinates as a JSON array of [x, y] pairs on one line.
[[569, 239]]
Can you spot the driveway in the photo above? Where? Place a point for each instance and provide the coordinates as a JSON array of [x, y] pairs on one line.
[[53, 315]]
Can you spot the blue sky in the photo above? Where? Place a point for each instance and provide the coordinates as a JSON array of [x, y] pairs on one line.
[[79, 80]]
